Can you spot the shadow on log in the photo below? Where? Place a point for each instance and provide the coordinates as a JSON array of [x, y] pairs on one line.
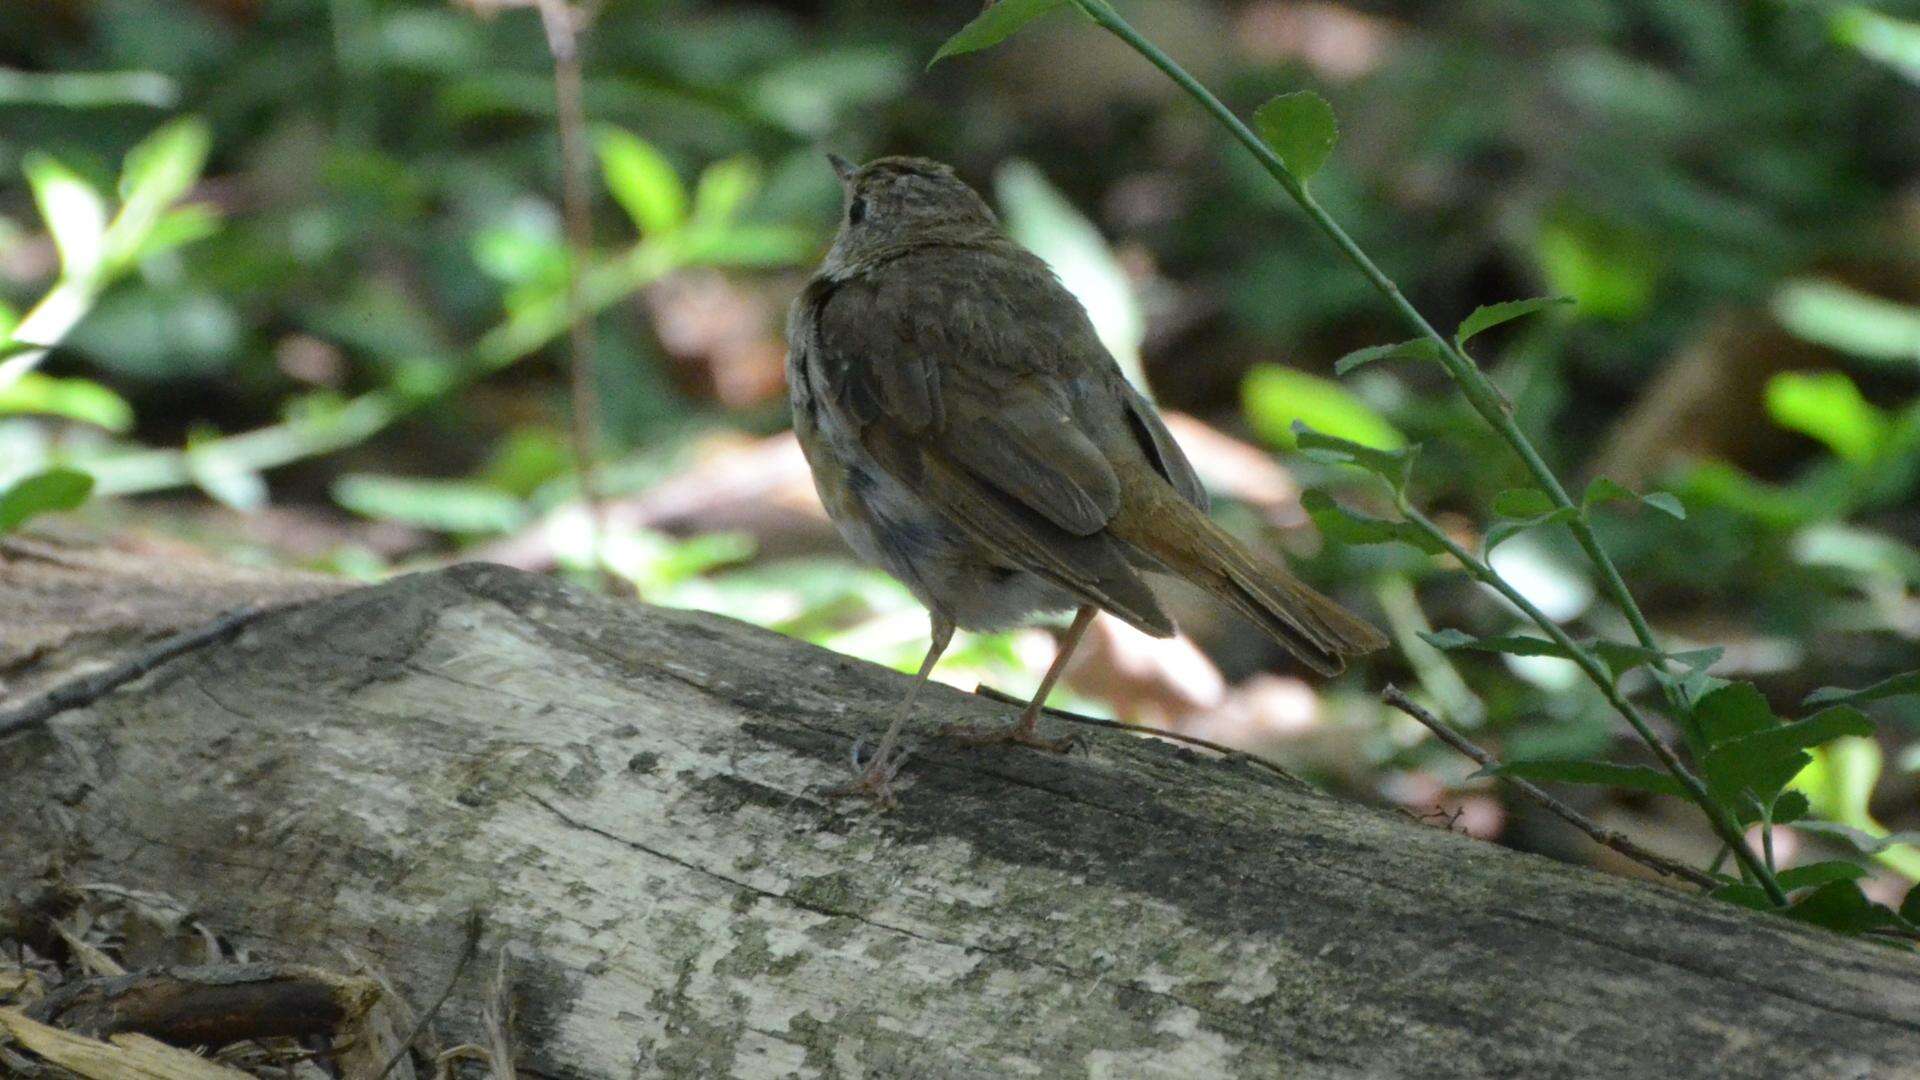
[[630, 795]]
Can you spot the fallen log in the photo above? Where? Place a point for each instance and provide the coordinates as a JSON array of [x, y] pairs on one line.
[[630, 796]]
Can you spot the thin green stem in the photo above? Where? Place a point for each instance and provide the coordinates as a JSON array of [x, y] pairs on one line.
[[1473, 383], [1487, 401], [1596, 671]]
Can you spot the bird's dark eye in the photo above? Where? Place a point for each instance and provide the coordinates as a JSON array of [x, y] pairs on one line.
[[856, 211]]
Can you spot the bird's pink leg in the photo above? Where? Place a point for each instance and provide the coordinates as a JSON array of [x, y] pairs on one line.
[[876, 780], [1025, 730]]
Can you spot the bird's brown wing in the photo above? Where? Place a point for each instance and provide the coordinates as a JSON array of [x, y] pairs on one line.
[[960, 370]]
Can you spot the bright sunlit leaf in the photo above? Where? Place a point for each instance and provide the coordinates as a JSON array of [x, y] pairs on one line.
[[72, 399], [1829, 407], [642, 181], [1045, 223], [75, 214], [158, 172], [723, 188], [451, 506], [1893, 42], [1275, 398], [1828, 313]]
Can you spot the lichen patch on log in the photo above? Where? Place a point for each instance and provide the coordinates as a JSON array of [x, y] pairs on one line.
[[632, 797]]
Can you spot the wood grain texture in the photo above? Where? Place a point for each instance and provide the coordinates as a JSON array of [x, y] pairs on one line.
[[629, 794]]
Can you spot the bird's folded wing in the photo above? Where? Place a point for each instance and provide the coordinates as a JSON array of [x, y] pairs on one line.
[[1094, 567], [1031, 450]]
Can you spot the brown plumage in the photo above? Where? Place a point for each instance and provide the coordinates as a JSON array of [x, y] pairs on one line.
[[969, 433]]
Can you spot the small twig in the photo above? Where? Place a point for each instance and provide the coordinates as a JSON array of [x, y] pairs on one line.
[[1222, 749], [475, 924], [559, 20], [91, 688], [498, 1016], [1393, 696]]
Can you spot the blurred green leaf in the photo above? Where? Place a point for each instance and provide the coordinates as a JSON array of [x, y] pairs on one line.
[[1910, 907], [1275, 398], [1896, 686], [177, 228], [75, 214], [1488, 316], [1841, 906], [1612, 273], [1344, 526], [88, 89], [528, 458], [1819, 873], [1047, 224], [1522, 509], [1763, 763], [1600, 773], [1523, 503], [1393, 466], [1893, 42], [994, 25], [1827, 406], [1603, 490], [1510, 644], [1417, 349], [71, 399], [449, 506], [1747, 896], [42, 493], [1839, 785], [813, 92], [213, 468], [748, 245], [1619, 657], [162, 168], [1831, 314], [1717, 483], [642, 181], [723, 188], [1301, 129], [1866, 843]]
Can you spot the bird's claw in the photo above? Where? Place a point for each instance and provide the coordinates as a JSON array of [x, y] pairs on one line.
[[873, 780], [1018, 734]]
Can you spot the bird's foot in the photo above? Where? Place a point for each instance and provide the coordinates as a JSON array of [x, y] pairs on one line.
[[873, 780], [1024, 733]]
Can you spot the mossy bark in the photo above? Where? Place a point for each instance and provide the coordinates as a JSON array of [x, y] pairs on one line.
[[631, 795]]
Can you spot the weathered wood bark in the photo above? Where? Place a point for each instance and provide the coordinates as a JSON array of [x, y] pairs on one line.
[[631, 796]]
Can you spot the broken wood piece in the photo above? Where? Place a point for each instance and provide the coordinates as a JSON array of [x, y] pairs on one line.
[[128, 1056], [210, 1006]]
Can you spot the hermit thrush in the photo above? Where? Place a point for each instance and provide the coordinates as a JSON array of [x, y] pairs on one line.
[[969, 434]]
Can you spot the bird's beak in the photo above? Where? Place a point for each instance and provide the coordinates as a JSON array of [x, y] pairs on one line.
[[842, 168]]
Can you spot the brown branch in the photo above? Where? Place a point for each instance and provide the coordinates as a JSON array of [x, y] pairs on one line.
[[561, 22], [209, 1006], [91, 688], [1222, 749], [1658, 863]]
